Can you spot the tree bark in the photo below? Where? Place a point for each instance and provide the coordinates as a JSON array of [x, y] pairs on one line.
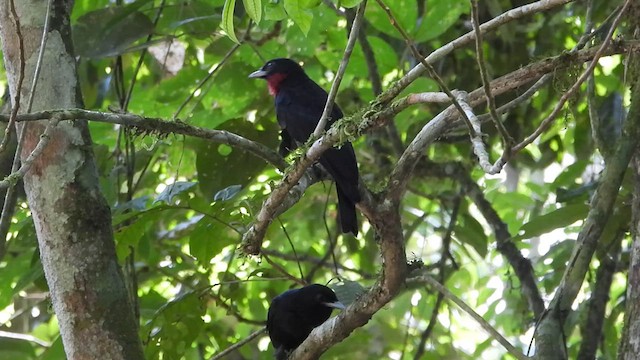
[[630, 344], [72, 218]]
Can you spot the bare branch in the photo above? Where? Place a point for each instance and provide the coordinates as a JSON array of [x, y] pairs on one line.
[[476, 139], [439, 124], [507, 141], [14, 177], [160, 126], [506, 17], [432, 72], [238, 345]]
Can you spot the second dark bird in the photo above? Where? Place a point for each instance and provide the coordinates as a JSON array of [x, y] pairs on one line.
[[294, 313], [299, 104]]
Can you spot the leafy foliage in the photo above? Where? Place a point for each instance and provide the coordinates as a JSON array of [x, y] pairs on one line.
[[180, 205]]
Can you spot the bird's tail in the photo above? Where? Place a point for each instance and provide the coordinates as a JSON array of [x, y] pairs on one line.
[[347, 213]]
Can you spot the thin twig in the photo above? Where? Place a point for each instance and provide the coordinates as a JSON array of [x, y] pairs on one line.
[[10, 196], [160, 126], [507, 140], [432, 72], [238, 345], [316, 261], [24, 337], [293, 248], [283, 271], [544, 125], [441, 52], [477, 141], [466, 308], [351, 43], [143, 53], [15, 176], [213, 71]]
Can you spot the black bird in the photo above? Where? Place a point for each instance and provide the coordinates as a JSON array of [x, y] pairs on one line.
[[294, 313], [299, 104]]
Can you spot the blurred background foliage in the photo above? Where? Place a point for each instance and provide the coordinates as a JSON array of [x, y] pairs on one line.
[[181, 204]]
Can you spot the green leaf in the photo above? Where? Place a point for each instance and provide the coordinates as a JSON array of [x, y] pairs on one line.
[[404, 11], [227, 193], [274, 12], [227, 20], [205, 241], [471, 232], [130, 235], [54, 352], [110, 31], [556, 219], [350, 3], [254, 9], [302, 17], [174, 190], [441, 15], [348, 291]]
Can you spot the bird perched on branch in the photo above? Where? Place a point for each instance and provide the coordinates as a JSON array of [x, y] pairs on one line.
[[299, 105], [294, 313]]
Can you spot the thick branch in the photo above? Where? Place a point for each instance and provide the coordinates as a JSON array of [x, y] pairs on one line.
[[436, 127], [508, 16], [603, 201], [388, 228], [591, 329]]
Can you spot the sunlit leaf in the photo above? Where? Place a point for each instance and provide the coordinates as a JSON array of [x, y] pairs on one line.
[[254, 9], [227, 193], [227, 20], [173, 190], [301, 16], [556, 219]]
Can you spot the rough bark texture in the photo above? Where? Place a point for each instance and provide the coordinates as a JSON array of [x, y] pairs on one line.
[[630, 344], [72, 218]]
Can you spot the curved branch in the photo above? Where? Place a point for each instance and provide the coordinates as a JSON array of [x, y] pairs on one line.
[[160, 126], [386, 221], [436, 127], [466, 39]]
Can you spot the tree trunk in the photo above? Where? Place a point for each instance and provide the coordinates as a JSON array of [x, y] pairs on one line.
[[72, 219], [629, 346]]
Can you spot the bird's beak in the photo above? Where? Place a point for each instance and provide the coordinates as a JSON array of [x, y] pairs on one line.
[[258, 74], [335, 305]]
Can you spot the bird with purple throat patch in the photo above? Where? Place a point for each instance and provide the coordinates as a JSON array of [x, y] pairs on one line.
[[299, 103]]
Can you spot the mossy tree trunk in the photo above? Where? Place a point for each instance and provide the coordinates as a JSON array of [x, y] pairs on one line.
[[72, 218]]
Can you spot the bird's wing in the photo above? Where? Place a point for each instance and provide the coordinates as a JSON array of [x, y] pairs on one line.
[[286, 329], [299, 109], [299, 119], [287, 144]]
